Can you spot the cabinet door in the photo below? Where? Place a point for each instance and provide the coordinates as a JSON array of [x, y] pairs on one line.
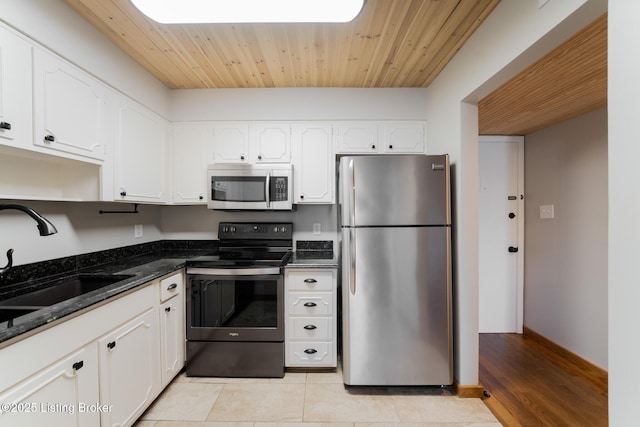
[[314, 167], [15, 91], [272, 143], [172, 330], [357, 138], [72, 111], [58, 395], [192, 151], [130, 369], [403, 137], [140, 154], [231, 143]]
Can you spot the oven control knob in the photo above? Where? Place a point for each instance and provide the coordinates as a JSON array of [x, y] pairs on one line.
[[283, 229], [275, 229], [225, 229], [232, 229]]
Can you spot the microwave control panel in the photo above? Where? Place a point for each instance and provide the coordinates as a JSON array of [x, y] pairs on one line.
[[279, 191]]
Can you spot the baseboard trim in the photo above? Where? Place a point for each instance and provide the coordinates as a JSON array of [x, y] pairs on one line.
[[594, 373], [469, 391]]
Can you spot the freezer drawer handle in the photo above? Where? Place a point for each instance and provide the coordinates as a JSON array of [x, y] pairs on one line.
[[310, 304], [310, 281], [310, 327], [513, 249], [311, 351]]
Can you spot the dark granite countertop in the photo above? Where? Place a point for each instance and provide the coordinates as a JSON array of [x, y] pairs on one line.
[[154, 262]]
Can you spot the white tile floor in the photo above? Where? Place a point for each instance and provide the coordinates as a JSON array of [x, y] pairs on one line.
[[310, 400]]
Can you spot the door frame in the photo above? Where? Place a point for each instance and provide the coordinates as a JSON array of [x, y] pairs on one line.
[[519, 140]]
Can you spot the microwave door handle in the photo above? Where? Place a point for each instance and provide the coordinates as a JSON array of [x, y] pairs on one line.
[[267, 184]]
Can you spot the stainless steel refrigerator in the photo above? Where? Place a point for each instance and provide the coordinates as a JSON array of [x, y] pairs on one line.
[[396, 270]]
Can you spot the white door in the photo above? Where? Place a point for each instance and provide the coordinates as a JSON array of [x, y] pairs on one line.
[[501, 236]]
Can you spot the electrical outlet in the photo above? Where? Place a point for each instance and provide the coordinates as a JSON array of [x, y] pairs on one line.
[[317, 227], [137, 231]]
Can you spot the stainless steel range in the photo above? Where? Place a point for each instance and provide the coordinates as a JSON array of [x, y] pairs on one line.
[[235, 302]]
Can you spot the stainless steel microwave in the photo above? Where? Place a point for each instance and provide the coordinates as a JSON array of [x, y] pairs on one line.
[[249, 187]]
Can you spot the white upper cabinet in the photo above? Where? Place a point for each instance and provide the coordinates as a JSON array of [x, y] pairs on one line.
[[15, 91], [357, 137], [402, 137], [242, 142], [73, 112], [314, 164], [231, 142], [140, 155], [271, 142], [388, 137], [192, 151]]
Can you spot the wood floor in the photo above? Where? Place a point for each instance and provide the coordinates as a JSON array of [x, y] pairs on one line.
[[531, 385]]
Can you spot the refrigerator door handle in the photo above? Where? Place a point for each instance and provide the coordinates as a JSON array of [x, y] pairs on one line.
[[352, 269]]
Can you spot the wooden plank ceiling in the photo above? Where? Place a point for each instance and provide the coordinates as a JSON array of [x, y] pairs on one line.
[[568, 81], [392, 43]]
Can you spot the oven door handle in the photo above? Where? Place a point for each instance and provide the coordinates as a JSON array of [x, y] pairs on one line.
[[254, 271]]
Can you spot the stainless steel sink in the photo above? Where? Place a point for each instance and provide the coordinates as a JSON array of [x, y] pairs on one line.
[[76, 286]]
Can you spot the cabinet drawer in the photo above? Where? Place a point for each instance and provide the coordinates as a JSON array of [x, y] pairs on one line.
[[170, 286], [310, 328], [317, 280], [311, 354], [309, 304]]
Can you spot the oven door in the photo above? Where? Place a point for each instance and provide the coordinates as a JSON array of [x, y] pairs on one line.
[[223, 305]]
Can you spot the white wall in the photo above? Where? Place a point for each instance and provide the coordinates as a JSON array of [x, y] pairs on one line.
[[566, 257], [299, 104], [624, 212], [81, 229], [198, 222], [512, 37]]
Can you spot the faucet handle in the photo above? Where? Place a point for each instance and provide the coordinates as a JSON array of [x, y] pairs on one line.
[[9, 263]]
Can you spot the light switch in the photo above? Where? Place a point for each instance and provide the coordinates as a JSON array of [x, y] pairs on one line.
[[546, 212]]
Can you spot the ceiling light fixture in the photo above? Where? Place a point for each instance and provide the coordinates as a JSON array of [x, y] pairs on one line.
[[248, 11]]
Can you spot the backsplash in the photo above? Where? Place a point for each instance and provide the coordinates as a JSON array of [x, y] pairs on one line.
[[65, 266], [314, 245]]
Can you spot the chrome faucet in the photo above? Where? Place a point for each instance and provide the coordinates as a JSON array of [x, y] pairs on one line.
[[44, 227]]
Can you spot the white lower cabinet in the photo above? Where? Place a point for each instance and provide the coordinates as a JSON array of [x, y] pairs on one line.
[[311, 317], [63, 394], [172, 327], [101, 368], [129, 369]]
